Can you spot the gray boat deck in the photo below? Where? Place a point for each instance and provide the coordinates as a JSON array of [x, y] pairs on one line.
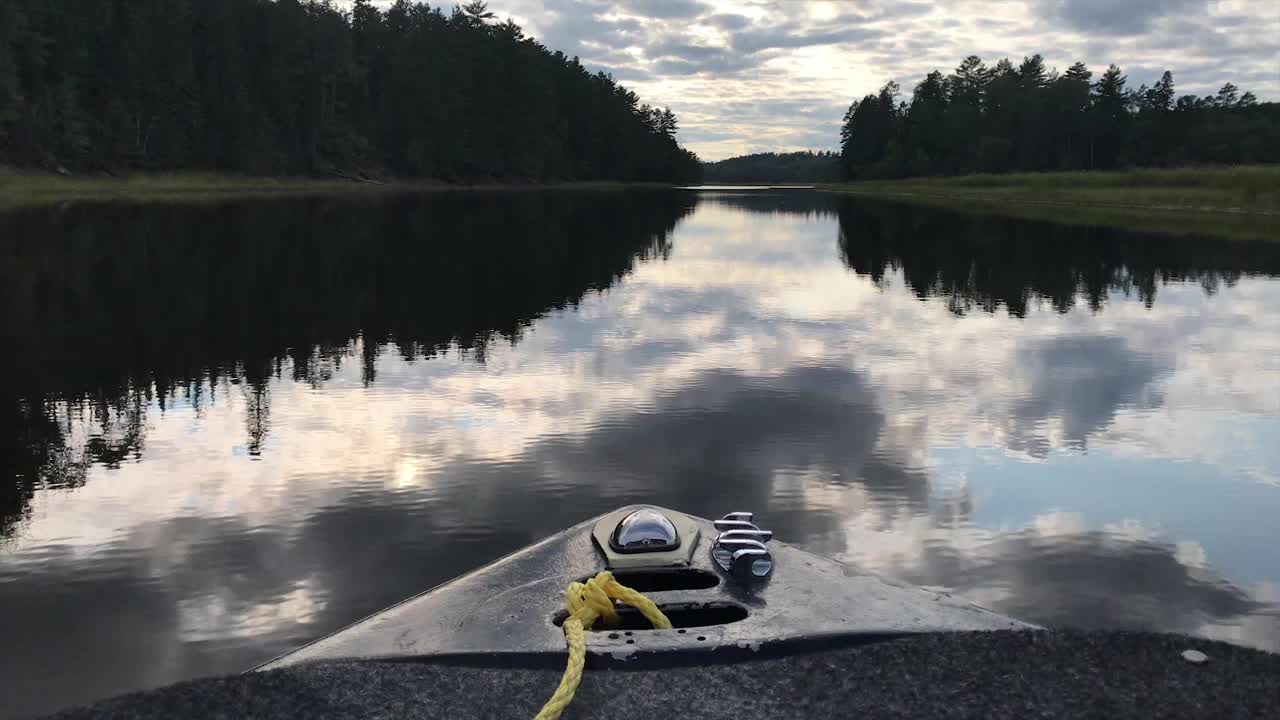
[[507, 608], [988, 675], [818, 639]]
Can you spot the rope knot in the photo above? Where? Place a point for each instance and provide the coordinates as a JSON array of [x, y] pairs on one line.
[[588, 602], [592, 600]]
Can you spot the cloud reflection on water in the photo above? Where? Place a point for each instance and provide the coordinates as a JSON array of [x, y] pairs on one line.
[[754, 369]]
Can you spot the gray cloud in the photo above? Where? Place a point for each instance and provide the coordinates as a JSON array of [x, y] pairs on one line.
[[751, 41], [777, 108], [681, 49], [571, 29], [802, 121], [625, 26], [666, 49], [664, 9], [729, 21], [706, 60], [1116, 18]]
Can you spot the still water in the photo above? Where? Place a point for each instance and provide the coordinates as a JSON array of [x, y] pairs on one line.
[[227, 430]]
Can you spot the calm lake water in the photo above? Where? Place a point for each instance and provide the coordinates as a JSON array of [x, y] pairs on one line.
[[227, 430]]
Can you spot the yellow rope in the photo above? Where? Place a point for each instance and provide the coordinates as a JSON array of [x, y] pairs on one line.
[[588, 602]]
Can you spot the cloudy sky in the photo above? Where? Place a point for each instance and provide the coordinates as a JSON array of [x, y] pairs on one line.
[[756, 75]]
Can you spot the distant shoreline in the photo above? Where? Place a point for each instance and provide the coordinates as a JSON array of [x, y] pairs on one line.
[[1241, 202], [1237, 202], [1236, 189], [26, 189]]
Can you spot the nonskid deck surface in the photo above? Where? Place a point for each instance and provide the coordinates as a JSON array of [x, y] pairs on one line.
[[989, 675]]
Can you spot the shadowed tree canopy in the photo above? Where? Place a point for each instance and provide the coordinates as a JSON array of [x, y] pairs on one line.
[[1026, 117], [304, 87]]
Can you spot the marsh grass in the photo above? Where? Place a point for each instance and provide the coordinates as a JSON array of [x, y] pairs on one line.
[[1246, 188], [33, 189], [1236, 202]]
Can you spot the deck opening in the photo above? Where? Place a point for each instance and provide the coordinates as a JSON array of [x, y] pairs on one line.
[[681, 615], [665, 579]]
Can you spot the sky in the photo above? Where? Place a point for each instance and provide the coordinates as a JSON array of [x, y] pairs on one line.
[[774, 75]]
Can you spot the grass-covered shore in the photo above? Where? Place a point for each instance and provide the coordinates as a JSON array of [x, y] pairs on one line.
[[1240, 189], [19, 189], [1237, 202], [1240, 202]]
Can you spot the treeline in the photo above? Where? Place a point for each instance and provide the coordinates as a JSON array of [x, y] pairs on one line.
[[794, 167], [1026, 117], [302, 87]]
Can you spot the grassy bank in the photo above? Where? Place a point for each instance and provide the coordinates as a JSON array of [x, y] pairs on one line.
[[1253, 188], [28, 189], [1237, 201], [1230, 226]]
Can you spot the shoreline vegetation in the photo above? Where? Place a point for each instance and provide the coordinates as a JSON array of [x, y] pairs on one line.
[[1240, 202], [19, 190], [1238, 189], [1237, 202]]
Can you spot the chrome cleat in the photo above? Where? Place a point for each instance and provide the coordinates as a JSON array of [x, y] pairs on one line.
[[740, 548]]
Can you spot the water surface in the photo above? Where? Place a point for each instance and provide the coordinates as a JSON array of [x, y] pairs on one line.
[[227, 430]]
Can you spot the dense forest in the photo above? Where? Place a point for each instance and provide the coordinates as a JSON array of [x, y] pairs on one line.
[[793, 167], [302, 87], [1027, 117]]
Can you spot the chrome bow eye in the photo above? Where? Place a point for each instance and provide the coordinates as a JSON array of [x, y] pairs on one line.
[[645, 530]]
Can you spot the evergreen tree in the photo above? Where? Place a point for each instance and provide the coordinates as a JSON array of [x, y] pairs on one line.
[[1162, 95], [1070, 107], [1110, 118]]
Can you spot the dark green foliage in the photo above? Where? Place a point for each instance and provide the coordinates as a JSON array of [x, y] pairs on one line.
[[301, 87], [795, 167], [1019, 118]]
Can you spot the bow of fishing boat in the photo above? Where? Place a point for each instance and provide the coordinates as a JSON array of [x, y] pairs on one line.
[[757, 628]]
